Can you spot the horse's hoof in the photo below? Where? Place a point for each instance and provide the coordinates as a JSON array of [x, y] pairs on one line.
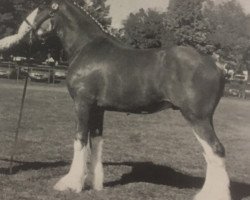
[[69, 183], [98, 187]]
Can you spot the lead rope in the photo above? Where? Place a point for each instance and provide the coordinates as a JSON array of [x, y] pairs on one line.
[[14, 148]]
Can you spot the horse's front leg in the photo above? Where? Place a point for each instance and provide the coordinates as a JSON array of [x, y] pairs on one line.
[[74, 180], [96, 128]]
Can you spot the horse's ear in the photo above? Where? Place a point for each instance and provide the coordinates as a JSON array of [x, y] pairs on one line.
[[54, 6]]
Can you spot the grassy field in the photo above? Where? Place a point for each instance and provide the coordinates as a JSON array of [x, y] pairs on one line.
[[145, 156]]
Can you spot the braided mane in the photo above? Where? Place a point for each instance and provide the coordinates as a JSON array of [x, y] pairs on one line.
[[94, 19]]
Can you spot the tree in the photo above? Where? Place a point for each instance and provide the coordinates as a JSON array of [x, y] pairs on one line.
[[228, 23], [144, 29], [100, 11], [185, 20], [7, 16]]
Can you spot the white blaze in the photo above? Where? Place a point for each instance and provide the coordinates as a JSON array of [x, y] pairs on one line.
[[9, 41], [216, 186]]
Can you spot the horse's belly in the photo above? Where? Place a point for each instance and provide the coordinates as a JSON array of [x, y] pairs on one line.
[[137, 107], [152, 108]]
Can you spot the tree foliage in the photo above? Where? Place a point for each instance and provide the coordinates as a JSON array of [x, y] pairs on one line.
[[100, 11], [222, 28], [7, 16], [227, 23], [144, 29], [182, 24], [185, 20]]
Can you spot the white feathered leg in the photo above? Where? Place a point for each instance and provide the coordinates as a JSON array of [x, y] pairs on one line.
[[74, 180], [216, 186], [96, 163]]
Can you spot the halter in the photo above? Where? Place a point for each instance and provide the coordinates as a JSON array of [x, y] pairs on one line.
[[54, 8]]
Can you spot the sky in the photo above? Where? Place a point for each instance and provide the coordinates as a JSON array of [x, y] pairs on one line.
[[120, 9]]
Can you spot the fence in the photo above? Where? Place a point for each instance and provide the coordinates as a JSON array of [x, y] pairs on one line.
[[42, 73]]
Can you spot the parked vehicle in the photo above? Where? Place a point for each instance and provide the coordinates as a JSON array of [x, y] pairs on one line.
[[19, 59], [60, 71], [7, 70], [41, 73], [241, 76]]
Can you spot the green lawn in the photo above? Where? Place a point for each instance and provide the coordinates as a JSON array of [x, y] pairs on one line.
[[145, 156]]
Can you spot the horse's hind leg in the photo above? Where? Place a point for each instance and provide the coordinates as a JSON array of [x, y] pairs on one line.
[[74, 180], [216, 186], [96, 129]]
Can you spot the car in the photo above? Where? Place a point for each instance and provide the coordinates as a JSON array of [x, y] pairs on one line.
[[7, 70], [60, 71], [19, 59], [41, 73], [240, 77]]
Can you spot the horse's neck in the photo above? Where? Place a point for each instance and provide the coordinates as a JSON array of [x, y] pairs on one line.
[[77, 30]]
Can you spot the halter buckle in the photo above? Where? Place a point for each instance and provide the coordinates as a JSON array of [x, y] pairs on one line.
[[55, 6]]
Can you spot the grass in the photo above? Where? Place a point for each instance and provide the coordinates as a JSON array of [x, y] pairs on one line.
[[145, 156]]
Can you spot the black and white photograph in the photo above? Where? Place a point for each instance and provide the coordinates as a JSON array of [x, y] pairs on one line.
[[124, 100]]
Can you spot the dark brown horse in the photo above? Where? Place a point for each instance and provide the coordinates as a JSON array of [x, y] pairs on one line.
[[104, 75]]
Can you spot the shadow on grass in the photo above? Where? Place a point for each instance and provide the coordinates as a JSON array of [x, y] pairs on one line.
[[141, 172], [163, 175], [25, 166]]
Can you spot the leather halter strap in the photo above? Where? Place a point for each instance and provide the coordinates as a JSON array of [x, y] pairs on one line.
[[31, 26], [51, 14]]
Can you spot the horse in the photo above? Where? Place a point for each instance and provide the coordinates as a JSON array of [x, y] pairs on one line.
[[106, 75]]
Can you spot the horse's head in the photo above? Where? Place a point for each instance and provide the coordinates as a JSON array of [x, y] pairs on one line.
[[67, 20], [45, 21]]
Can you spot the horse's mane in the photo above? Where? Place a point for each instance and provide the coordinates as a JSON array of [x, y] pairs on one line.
[[87, 13]]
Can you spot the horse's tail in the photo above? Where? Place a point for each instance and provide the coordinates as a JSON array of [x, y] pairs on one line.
[[23, 30]]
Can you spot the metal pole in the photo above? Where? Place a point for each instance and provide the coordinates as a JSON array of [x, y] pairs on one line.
[[22, 104], [18, 126]]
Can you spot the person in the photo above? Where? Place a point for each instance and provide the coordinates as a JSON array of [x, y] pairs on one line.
[[243, 84], [220, 62], [50, 61]]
